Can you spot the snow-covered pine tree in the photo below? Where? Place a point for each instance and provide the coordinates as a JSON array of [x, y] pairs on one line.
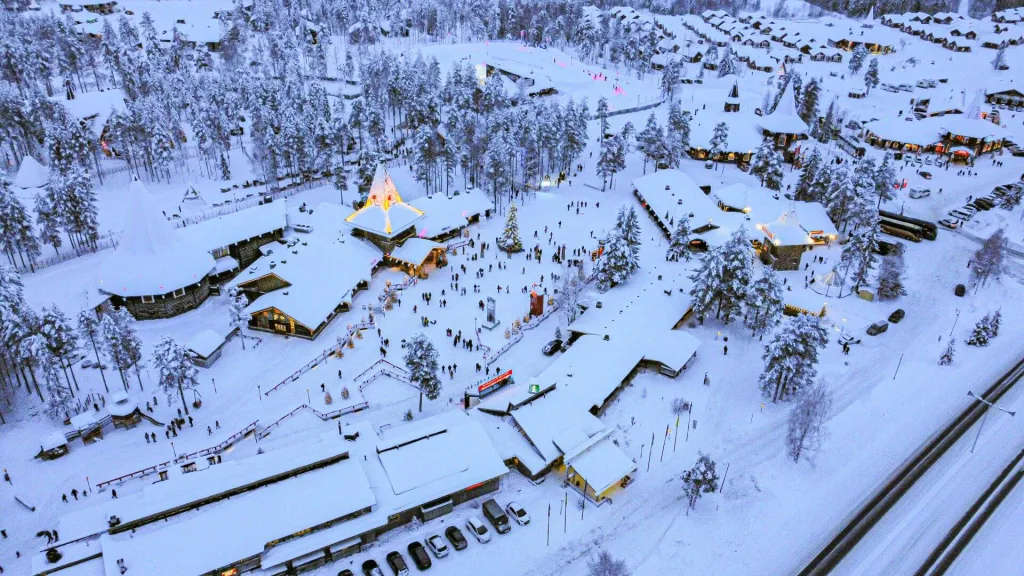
[[175, 370], [421, 360], [765, 304], [89, 331], [890, 277], [61, 340], [670, 78], [885, 179], [237, 315], [679, 242], [871, 76], [999, 62], [768, 165], [570, 293], [677, 135], [808, 110], [628, 224], [616, 264], [509, 240], [997, 319], [719, 139], [839, 197], [48, 222], [651, 141], [16, 236], [825, 130], [860, 53], [806, 424], [859, 255], [610, 160], [988, 260], [737, 274], [727, 64], [699, 480], [982, 332], [60, 402], [808, 174], [601, 113], [791, 357], [706, 282], [947, 355]]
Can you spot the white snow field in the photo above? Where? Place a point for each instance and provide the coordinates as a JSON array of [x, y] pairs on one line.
[[282, 483]]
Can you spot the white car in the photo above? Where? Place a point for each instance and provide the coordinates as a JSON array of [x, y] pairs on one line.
[[479, 529], [437, 546], [958, 213], [518, 513], [916, 193], [969, 209], [950, 223]]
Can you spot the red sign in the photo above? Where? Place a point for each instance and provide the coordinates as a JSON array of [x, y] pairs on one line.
[[493, 382]]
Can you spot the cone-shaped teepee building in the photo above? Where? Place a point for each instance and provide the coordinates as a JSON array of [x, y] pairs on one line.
[[783, 125], [154, 271], [385, 220]]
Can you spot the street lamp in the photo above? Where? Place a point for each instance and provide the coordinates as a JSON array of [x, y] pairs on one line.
[[990, 405]]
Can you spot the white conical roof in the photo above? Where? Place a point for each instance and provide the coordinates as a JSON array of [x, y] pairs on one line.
[[784, 119], [385, 213], [151, 258], [871, 15], [31, 174]]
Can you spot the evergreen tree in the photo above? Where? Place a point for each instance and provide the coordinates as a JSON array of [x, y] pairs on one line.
[[766, 304], [602, 115], [999, 62], [677, 135], [611, 160], [791, 357], [808, 175], [871, 76], [670, 78], [651, 141], [808, 110], [806, 425], [767, 165], [988, 260], [840, 197], [719, 139], [860, 53], [48, 221], [616, 264], [679, 242], [885, 180], [175, 369], [859, 255], [61, 341], [825, 130], [997, 319], [509, 240], [706, 281], [421, 360], [890, 277], [947, 355], [237, 315], [89, 330], [699, 480], [982, 332], [628, 225], [727, 64], [16, 236], [737, 274]]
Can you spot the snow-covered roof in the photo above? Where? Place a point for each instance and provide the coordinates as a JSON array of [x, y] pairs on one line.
[[205, 343], [151, 259], [31, 174], [973, 127], [53, 440], [602, 465], [923, 132], [673, 195], [84, 420], [88, 105], [385, 214], [443, 214], [415, 250], [549, 417], [784, 119], [228, 229]]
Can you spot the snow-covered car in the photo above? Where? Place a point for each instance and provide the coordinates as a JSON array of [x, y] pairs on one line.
[[951, 223], [877, 328], [961, 214], [479, 529], [848, 338], [86, 364], [304, 228], [371, 568], [455, 536], [518, 513], [397, 563], [916, 193], [969, 209], [552, 347], [437, 546]]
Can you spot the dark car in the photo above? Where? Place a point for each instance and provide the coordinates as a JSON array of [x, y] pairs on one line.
[[896, 316], [346, 572], [455, 536], [877, 328], [419, 555], [552, 347], [926, 175], [397, 563], [960, 290], [496, 515], [371, 568]]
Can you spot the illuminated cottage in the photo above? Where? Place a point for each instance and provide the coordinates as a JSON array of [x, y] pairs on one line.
[[385, 220], [154, 272], [784, 125]]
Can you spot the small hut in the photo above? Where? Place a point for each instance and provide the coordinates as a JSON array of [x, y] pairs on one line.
[[124, 412], [53, 446]]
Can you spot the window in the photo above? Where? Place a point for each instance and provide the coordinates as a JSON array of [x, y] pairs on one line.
[[178, 293], [148, 299]]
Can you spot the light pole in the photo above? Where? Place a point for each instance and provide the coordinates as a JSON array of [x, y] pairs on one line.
[[954, 322], [982, 425]]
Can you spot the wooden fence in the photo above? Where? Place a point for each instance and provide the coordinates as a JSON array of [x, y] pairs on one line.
[[321, 415]]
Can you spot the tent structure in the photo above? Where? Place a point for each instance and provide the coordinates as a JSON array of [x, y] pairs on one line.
[[152, 260], [386, 218], [784, 121]]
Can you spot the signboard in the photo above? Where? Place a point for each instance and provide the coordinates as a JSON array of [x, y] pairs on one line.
[[490, 310], [495, 384], [534, 388], [536, 304]]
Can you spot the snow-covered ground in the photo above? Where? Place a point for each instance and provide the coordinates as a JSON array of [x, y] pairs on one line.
[[770, 516]]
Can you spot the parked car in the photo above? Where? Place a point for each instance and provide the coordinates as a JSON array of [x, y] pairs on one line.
[[951, 223], [494, 513], [960, 290], [86, 364], [518, 513], [848, 338], [397, 563], [896, 316], [455, 536], [877, 328], [419, 555], [370, 568], [925, 175], [478, 529], [346, 572], [437, 545], [969, 209], [961, 214], [916, 193], [552, 347], [304, 228]]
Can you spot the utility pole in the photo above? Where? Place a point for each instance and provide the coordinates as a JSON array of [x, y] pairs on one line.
[[982, 425]]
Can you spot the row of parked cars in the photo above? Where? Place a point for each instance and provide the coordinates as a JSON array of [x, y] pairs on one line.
[[438, 546], [957, 216]]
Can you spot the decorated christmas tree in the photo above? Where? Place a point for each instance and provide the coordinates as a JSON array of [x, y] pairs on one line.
[[510, 241]]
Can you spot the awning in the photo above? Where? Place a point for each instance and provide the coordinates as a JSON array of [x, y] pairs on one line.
[[415, 251], [603, 466]]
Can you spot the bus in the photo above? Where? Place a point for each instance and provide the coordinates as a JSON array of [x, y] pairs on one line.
[[891, 222]]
